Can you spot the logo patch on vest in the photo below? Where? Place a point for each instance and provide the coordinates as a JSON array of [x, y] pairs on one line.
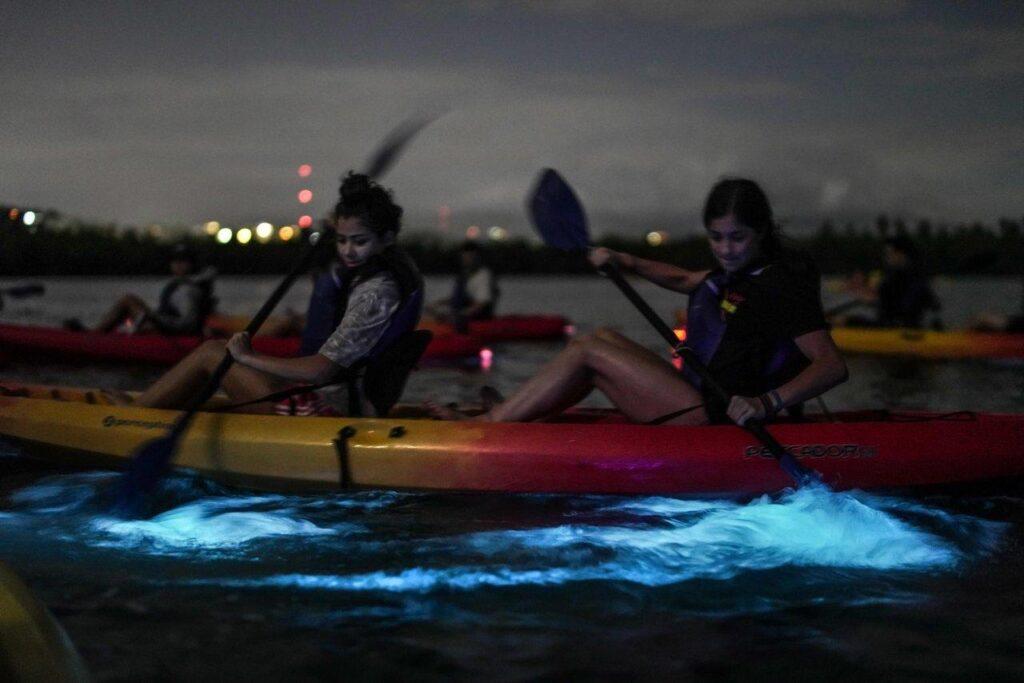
[[730, 302]]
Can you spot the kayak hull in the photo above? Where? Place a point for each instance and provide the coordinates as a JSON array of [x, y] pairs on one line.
[[596, 452], [167, 350], [929, 343]]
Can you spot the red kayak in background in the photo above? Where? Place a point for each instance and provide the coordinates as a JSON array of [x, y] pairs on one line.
[[501, 328], [504, 328], [166, 350]]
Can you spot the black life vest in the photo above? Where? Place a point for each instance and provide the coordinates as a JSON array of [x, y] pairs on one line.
[[706, 325]]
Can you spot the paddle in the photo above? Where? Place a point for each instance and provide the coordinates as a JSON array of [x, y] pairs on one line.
[[20, 292], [559, 219], [151, 460]]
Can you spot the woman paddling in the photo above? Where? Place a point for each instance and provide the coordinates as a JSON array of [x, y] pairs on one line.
[[756, 321], [378, 298]]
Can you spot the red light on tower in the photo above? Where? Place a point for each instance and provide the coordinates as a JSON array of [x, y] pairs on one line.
[[305, 196], [305, 170], [305, 221]]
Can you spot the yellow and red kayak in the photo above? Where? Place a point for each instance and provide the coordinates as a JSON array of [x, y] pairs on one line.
[[33, 646], [158, 349], [586, 451], [929, 343]]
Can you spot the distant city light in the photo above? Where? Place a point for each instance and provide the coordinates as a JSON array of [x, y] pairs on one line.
[[286, 233], [473, 232], [264, 231], [305, 170], [444, 217], [13, 214], [224, 235], [305, 196], [305, 221], [244, 236], [29, 218], [486, 358], [497, 233], [211, 227], [656, 238]]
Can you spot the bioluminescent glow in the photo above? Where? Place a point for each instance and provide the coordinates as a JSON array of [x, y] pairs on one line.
[[205, 525], [710, 540]]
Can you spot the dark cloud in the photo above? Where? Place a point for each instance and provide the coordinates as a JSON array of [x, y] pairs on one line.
[[181, 112]]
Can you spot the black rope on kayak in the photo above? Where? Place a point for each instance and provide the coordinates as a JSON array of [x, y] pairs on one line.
[[341, 448], [276, 396], [674, 414], [957, 415]]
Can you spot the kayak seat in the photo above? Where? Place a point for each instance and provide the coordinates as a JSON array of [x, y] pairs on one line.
[[385, 375]]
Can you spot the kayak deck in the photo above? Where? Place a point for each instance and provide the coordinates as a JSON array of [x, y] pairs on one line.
[[587, 451]]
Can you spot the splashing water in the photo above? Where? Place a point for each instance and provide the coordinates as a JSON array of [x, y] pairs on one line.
[[395, 543]]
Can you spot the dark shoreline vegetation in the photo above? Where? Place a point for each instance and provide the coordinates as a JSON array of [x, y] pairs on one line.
[[103, 251]]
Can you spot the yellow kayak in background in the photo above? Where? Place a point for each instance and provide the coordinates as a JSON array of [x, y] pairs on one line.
[[929, 343], [33, 646]]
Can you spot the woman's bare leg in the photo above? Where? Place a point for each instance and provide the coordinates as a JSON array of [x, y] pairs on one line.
[[179, 384], [637, 381], [128, 306]]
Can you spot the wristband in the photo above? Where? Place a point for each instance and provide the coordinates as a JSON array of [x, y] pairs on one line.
[[777, 403], [769, 409]]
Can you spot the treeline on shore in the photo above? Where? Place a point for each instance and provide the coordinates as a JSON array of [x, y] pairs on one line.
[[86, 250]]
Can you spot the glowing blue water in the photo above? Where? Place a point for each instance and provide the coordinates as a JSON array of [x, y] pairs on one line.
[[402, 544]]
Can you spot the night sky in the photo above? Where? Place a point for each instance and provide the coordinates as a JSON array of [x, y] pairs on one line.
[[180, 113]]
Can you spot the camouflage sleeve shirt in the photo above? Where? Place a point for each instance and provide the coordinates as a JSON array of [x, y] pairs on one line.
[[371, 303]]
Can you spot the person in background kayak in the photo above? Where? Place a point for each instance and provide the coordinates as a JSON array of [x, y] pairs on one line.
[[902, 296], [756, 321], [184, 302], [475, 293], [380, 298]]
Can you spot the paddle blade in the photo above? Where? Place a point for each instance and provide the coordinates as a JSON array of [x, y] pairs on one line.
[[22, 291], [147, 465], [557, 213], [393, 144]]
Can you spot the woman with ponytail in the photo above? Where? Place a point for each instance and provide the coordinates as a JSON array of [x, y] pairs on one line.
[[370, 296], [756, 321]]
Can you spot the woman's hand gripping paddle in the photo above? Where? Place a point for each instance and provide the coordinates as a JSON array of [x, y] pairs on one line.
[[559, 219], [152, 459]]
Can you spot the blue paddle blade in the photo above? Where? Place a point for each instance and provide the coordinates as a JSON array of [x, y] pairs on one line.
[[147, 466], [557, 213]]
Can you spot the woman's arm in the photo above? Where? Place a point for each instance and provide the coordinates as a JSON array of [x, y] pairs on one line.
[[662, 274], [315, 369], [826, 369]]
